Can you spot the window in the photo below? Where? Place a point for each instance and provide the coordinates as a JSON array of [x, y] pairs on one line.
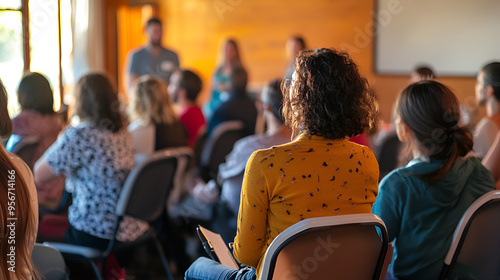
[[11, 51], [50, 44]]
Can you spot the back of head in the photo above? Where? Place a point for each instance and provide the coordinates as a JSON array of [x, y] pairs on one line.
[[190, 82], [424, 73], [300, 41], [24, 230], [238, 80], [34, 93], [273, 96], [432, 112], [150, 101], [328, 96], [96, 101], [491, 73]]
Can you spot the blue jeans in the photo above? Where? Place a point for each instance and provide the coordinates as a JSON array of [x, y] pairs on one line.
[[208, 269]]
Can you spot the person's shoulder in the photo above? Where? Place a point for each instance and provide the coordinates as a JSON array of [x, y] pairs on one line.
[[359, 148], [404, 177], [274, 150], [84, 130], [178, 126], [260, 155], [263, 141], [192, 111], [485, 123], [138, 51], [364, 154], [479, 170], [136, 125], [248, 142], [395, 181], [26, 116], [168, 51]]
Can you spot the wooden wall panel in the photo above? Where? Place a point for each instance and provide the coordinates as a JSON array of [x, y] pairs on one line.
[[195, 29]]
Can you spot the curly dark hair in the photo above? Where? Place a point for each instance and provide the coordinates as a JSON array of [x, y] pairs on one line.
[[328, 97]]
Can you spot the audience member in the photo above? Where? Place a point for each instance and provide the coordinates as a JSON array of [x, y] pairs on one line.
[[422, 203], [231, 172], [492, 160], [319, 174], [37, 119], [238, 107], [153, 58], [155, 127], [184, 88], [422, 73], [18, 207], [293, 46], [425, 73], [95, 154], [230, 59], [487, 94]]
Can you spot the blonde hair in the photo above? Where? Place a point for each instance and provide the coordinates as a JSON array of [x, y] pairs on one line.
[[150, 101]]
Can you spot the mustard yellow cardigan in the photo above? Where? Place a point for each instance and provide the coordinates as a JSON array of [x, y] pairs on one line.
[[309, 177]]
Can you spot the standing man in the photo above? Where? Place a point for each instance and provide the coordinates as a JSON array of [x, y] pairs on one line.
[[487, 94], [152, 59]]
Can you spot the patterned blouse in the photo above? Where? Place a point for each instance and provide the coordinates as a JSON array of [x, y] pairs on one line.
[[96, 163], [309, 177]]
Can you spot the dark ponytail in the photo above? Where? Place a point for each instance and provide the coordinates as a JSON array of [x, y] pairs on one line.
[[432, 112]]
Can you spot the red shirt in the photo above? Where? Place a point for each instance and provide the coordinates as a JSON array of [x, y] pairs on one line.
[[192, 118]]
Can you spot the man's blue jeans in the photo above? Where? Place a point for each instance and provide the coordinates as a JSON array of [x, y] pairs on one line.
[[208, 269]]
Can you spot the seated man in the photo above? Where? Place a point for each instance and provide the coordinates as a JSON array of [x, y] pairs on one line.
[[238, 107], [231, 172], [487, 94], [184, 88]]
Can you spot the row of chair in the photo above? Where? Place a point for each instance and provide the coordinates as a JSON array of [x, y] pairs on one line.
[[341, 247], [359, 240]]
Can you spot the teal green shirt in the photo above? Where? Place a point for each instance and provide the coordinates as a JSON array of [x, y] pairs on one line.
[[421, 217]]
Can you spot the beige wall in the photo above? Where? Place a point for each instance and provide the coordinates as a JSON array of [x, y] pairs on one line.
[[195, 29]]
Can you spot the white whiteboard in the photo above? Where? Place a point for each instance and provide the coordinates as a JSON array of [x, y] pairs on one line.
[[454, 37]]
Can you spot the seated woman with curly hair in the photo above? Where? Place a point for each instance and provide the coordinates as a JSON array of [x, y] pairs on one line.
[[318, 174]]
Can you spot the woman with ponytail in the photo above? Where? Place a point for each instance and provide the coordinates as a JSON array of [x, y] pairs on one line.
[[18, 208], [422, 203]]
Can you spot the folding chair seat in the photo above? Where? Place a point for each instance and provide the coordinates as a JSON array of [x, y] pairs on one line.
[[337, 247]]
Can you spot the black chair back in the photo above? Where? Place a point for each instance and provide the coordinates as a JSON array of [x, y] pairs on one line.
[[146, 190], [475, 249], [218, 145], [23, 147], [389, 153]]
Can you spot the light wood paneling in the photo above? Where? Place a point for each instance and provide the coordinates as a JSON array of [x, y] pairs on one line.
[[195, 29]]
